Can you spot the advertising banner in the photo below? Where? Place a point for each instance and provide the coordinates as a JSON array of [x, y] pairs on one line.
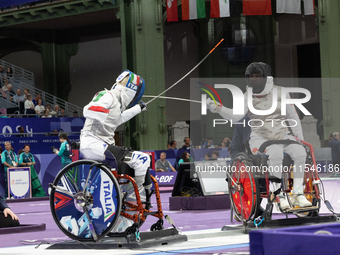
[[19, 182], [164, 178]]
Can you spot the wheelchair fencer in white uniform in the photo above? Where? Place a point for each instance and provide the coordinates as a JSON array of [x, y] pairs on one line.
[[259, 79], [108, 110]]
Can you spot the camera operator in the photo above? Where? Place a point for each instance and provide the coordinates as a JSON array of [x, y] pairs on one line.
[[64, 151]]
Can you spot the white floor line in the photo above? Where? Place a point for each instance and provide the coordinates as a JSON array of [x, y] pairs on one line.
[[207, 240]]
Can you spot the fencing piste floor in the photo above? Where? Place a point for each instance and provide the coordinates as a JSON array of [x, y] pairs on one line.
[[202, 227]]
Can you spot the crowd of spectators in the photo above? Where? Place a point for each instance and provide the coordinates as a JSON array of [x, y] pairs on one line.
[[214, 154], [24, 4], [28, 105]]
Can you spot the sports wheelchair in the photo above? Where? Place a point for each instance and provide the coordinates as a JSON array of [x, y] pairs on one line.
[[249, 183], [90, 200]]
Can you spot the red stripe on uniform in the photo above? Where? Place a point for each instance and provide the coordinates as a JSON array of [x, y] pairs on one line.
[[138, 79], [99, 109]]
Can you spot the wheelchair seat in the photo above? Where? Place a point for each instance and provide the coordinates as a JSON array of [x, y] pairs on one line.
[[114, 155]]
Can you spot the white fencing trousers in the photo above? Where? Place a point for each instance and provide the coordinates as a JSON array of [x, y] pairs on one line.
[[275, 154], [93, 148]]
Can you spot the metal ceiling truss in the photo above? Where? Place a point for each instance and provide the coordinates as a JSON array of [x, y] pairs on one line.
[[53, 10]]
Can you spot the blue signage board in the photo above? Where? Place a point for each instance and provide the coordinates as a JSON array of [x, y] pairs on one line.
[[40, 133], [10, 126], [9, 3], [39, 145]]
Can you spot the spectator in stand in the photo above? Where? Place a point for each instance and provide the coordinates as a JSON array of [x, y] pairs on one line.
[[46, 114], [209, 143], [207, 157], [8, 159], [4, 87], [56, 110], [26, 92], [215, 155], [26, 159], [7, 217], [163, 165], [185, 158], [10, 91], [39, 108], [19, 100], [54, 132], [225, 142], [29, 106], [326, 142], [1, 75], [62, 113], [186, 145], [21, 132], [173, 145], [335, 146], [168, 146], [9, 73], [50, 110], [75, 114], [35, 101]]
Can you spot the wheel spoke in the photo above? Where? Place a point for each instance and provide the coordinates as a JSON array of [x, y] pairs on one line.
[[73, 181], [62, 190], [93, 231], [87, 180]]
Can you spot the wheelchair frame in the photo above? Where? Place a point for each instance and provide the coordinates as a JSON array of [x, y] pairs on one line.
[[245, 193], [71, 202]]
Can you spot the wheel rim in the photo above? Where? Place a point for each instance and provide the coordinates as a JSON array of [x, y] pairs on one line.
[[243, 197], [101, 200]]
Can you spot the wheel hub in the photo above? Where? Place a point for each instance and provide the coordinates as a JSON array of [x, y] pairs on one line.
[[239, 188], [81, 200]]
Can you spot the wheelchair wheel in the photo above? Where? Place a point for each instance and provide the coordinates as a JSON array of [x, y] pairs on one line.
[[85, 200], [244, 189]]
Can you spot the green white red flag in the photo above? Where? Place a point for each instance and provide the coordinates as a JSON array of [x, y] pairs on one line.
[[193, 9]]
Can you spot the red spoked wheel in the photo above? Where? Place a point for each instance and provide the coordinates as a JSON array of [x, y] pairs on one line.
[[244, 189]]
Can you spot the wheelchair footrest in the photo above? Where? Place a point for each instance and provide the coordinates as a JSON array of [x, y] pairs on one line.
[[291, 222], [302, 209], [147, 239]]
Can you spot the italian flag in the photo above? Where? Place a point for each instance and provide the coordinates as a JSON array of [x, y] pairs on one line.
[[193, 9], [219, 8], [134, 79]]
